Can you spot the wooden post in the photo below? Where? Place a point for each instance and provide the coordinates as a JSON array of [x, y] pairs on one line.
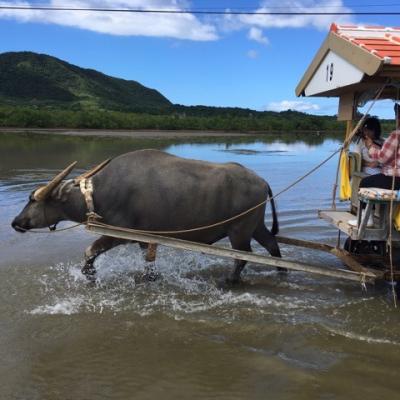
[[128, 234]]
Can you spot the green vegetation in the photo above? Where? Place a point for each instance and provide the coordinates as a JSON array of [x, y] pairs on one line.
[[30, 117], [39, 91], [31, 79]]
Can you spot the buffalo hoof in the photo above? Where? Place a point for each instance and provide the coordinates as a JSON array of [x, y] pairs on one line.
[[229, 283], [90, 273], [151, 276], [282, 271]]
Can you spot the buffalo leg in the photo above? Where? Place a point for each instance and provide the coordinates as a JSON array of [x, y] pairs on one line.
[[151, 253], [238, 244], [150, 258], [268, 240], [98, 247]]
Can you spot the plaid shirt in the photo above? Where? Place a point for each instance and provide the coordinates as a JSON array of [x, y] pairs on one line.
[[387, 154]]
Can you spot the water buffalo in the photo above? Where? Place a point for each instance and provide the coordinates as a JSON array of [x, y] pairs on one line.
[[153, 190]]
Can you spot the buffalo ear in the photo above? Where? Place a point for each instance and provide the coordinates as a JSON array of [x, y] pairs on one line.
[[64, 195], [92, 172], [43, 192], [62, 192]]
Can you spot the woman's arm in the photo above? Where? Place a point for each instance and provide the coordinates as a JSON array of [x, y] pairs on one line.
[[371, 164], [385, 154]]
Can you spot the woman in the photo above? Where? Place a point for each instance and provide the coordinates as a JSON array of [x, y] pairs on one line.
[[388, 156], [371, 129]]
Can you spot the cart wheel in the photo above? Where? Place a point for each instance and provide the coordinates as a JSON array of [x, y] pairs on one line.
[[348, 245], [363, 247]]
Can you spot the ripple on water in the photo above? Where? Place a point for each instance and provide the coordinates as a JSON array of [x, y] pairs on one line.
[[361, 337]]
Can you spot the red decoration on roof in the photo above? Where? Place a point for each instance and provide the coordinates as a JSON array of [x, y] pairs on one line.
[[383, 42]]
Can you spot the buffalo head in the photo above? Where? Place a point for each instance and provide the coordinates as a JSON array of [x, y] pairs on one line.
[[42, 209]]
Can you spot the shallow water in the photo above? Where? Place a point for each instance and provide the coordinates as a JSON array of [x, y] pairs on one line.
[[293, 337]]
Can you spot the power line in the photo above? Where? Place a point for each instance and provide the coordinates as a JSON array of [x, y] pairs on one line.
[[197, 12], [242, 7], [293, 7]]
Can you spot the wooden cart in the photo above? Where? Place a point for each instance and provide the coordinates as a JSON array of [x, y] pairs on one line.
[[358, 64]]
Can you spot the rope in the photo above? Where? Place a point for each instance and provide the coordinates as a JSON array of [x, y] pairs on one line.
[[390, 238], [204, 227], [335, 185], [217, 223], [376, 98], [363, 281], [55, 231], [347, 141], [390, 242]]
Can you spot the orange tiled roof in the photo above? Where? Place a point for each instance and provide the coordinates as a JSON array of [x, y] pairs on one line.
[[381, 41]]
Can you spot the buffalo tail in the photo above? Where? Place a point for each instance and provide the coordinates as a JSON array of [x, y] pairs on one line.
[[275, 224]]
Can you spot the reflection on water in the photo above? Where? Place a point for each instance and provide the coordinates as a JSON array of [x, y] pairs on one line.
[[42, 151], [293, 337]]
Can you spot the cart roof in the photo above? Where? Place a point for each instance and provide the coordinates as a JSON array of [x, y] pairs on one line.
[[354, 59]]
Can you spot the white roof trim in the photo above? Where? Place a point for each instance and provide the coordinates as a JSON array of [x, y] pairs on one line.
[[333, 72]]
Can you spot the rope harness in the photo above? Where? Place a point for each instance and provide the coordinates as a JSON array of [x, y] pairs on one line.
[[86, 187]]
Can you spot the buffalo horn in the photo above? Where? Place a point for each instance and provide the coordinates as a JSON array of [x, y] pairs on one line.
[[91, 172], [44, 191]]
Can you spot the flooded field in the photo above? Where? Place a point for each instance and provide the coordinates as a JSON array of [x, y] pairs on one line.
[[293, 337]]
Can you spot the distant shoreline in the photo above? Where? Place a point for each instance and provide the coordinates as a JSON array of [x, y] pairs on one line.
[[148, 134]]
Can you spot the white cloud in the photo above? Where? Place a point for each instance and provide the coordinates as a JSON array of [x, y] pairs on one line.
[[252, 54], [295, 105], [257, 35], [296, 21], [179, 26]]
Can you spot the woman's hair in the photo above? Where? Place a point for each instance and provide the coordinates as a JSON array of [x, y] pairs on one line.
[[397, 110], [374, 125]]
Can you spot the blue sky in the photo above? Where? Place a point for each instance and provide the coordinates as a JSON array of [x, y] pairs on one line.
[[237, 61]]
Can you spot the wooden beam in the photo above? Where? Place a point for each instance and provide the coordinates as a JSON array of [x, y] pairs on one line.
[[353, 264], [228, 253], [344, 255], [304, 243]]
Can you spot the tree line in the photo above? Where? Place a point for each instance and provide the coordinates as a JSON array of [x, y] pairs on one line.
[[287, 121], [30, 117]]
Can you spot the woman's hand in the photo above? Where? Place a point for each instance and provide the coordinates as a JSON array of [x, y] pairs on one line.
[[371, 164], [368, 142]]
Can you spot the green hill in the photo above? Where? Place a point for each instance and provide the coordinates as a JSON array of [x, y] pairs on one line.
[[40, 91], [31, 79]]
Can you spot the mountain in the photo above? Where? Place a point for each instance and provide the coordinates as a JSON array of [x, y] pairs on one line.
[[32, 79], [37, 90]]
